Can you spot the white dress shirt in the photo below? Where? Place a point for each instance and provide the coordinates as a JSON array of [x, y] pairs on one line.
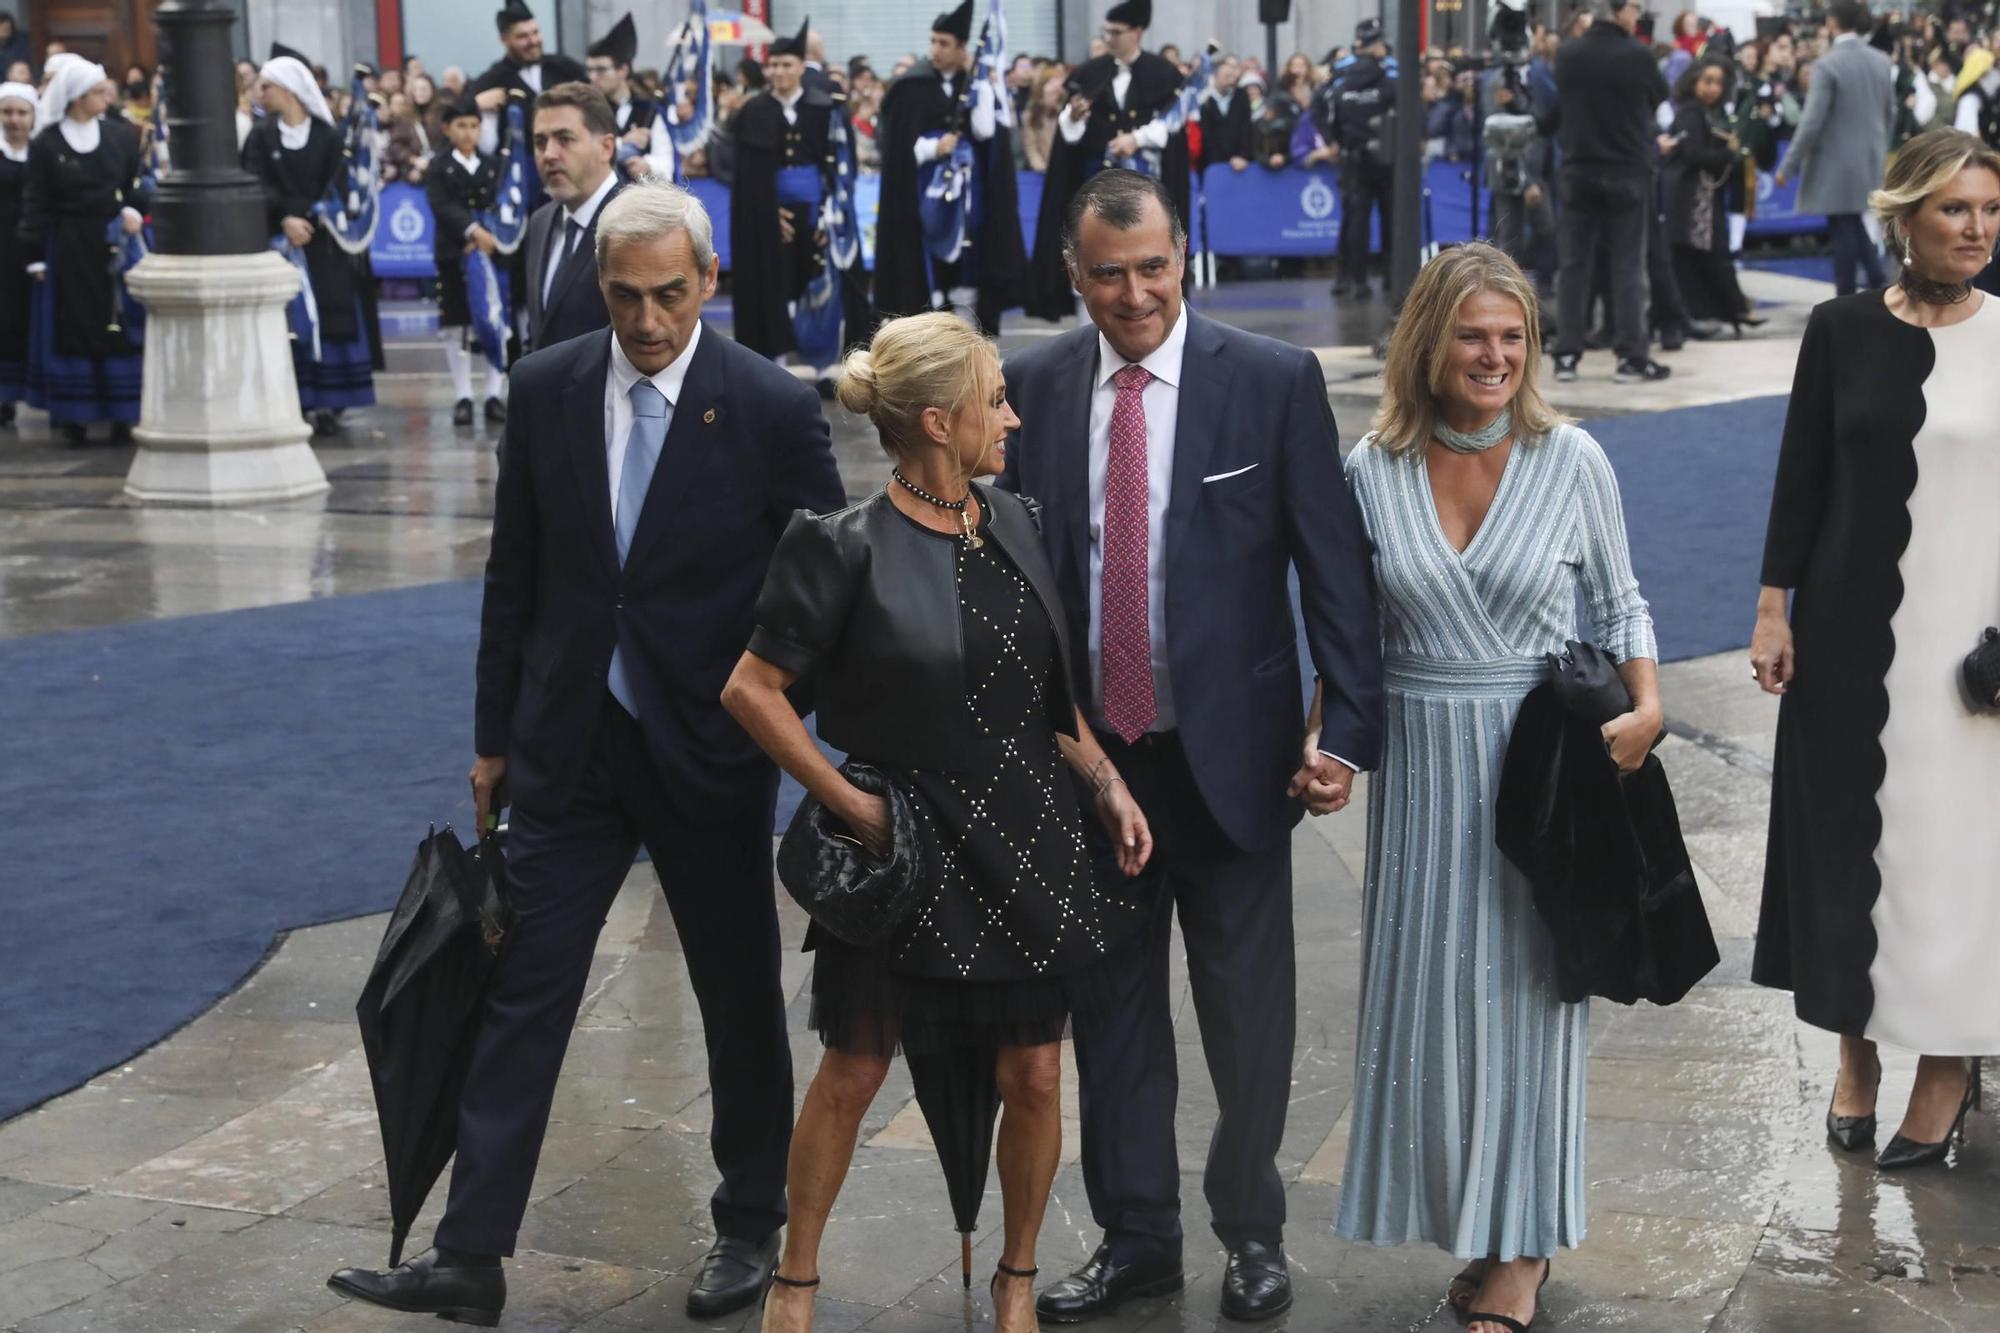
[[582, 215], [989, 112], [790, 105], [1162, 400], [659, 154], [618, 405], [1153, 134]]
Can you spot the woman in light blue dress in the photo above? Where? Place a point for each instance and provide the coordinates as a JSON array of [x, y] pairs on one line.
[[1488, 512]]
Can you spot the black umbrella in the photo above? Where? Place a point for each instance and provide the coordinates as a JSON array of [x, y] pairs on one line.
[[959, 1094], [421, 1009]]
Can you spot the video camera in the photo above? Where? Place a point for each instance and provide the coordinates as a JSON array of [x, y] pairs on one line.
[[1510, 132]]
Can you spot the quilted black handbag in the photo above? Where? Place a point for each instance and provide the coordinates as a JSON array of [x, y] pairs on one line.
[[860, 898], [1982, 672]]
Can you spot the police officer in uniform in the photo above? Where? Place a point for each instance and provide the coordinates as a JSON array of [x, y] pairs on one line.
[[1358, 119]]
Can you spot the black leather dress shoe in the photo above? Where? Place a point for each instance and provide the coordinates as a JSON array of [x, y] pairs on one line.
[[1104, 1284], [1256, 1284], [496, 411], [463, 1295], [461, 412], [733, 1275]]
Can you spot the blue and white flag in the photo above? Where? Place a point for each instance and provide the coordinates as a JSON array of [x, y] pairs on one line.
[[945, 203], [302, 311], [486, 285], [352, 204], [128, 316]]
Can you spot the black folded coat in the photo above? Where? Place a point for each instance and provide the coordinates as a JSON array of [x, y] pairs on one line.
[[1604, 853]]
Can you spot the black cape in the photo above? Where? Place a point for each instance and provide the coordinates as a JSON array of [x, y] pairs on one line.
[[766, 273], [69, 199], [504, 73], [914, 106], [1155, 84]]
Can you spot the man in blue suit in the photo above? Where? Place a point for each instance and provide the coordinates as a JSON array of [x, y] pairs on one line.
[[648, 472], [1185, 469]]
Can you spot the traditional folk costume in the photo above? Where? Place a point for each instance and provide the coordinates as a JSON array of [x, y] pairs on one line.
[[459, 188], [296, 165], [921, 107], [621, 46], [17, 289], [83, 180], [1124, 99]]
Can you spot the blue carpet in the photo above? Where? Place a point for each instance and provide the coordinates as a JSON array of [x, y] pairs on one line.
[[179, 792]]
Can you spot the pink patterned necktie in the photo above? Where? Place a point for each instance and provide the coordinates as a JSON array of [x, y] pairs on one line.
[[1125, 637]]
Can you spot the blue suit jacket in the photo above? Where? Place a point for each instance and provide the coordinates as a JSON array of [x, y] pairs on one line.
[[747, 447], [1257, 491]]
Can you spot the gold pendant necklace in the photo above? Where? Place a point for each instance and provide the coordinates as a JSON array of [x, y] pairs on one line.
[[973, 541]]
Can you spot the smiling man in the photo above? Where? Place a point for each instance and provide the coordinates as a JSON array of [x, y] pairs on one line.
[[1186, 469], [613, 615]]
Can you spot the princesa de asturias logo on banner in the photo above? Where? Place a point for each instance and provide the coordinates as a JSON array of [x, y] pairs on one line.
[[1316, 200], [406, 224]]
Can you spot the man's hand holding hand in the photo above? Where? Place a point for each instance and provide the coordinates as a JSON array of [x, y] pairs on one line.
[[489, 771]]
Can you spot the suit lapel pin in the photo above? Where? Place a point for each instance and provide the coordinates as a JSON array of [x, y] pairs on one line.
[[708, 417]]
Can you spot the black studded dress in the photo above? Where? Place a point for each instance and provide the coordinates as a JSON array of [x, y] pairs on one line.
[[1004, 948]]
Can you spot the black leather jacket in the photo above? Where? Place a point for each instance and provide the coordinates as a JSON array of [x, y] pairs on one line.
[[863, 605]]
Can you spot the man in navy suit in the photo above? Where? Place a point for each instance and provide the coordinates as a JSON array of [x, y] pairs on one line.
[[1185, 468], [576, 142], [648, 472]]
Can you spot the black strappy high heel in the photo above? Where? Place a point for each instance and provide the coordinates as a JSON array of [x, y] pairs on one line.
[[1508, 1321], [993, 1286]]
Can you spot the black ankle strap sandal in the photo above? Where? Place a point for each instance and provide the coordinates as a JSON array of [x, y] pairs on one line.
[[784, 1281], [1017, 1272]]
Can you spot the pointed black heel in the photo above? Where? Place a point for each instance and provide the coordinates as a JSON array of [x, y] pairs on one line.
[[1902, 1153], [1852, 1133]]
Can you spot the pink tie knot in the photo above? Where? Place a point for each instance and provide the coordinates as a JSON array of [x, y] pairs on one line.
[[1131, 379]]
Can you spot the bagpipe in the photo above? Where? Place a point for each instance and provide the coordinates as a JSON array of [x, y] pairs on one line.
[[1186, 107], [946, 202], [692, 60], [347, 212], [506, 218], [128, 316], [817, 314]]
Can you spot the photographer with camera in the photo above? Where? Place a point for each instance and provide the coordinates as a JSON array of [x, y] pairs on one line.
[[1515, 136], [1359, 125]]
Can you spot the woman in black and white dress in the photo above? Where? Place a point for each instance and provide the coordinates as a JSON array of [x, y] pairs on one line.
[[1880, 911]]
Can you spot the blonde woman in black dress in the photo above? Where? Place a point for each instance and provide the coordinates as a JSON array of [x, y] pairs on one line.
[[1880, 911], [927, 621]]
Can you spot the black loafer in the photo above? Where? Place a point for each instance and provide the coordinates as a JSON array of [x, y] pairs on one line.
[[1103, 1284], [1256, 1284], [462, 1295], [496, 411], [733, 1275], [461, 412]]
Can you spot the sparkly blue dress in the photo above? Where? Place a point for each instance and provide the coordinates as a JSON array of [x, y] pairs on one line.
[[1467, 1126]]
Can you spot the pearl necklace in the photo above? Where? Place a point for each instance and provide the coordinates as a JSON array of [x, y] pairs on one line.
[[973, 541]]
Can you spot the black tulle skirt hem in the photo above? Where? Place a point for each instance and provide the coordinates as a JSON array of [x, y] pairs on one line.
[[861, 1007]]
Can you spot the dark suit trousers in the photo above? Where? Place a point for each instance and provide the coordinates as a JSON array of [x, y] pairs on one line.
[[1236, 921], [563, 873], [1852, 249]]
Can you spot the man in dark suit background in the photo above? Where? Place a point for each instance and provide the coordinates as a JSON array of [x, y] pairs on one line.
[[1185, 468], [648, 473], [576, 142]]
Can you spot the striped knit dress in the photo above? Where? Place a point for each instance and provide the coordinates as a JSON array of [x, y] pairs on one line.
[[1467, 1125]]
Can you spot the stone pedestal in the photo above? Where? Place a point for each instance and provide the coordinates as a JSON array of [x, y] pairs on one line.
[[219, 419]]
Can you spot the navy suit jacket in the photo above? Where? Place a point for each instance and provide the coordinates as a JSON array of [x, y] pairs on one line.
[[576, 303], [746, 448], [1257, 490]]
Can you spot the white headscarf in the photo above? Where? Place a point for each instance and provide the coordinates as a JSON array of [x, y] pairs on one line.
[[69, 77], [290, 73]]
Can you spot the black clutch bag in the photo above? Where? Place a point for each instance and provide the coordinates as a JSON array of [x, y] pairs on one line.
[[1588, 685], [1982, 672], [860, 898]]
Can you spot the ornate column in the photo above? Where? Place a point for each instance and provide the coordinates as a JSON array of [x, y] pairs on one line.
[[219, 418]]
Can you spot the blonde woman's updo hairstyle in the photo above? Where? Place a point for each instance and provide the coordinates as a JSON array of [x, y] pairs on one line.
[[913, 363], [1414, 376], [1918, 170]]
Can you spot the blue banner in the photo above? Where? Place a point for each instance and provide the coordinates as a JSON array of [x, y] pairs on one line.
[[1258, 211], [1778, 209], [404, 245]]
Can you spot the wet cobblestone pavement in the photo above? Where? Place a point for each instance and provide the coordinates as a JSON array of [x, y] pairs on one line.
[[213, 1182]]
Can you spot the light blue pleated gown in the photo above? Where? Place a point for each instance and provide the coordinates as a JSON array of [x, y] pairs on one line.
[[1467, 1126]]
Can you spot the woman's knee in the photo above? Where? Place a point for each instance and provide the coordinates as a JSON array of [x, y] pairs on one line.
[[1030, 1077], [851, 1081]]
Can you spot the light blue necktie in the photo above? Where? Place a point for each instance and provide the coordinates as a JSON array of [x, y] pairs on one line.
[[651, 415]]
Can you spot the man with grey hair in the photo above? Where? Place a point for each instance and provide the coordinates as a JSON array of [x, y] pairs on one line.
[[647, 473]]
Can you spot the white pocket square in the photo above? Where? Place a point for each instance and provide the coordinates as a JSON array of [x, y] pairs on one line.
[[1225, 476]]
